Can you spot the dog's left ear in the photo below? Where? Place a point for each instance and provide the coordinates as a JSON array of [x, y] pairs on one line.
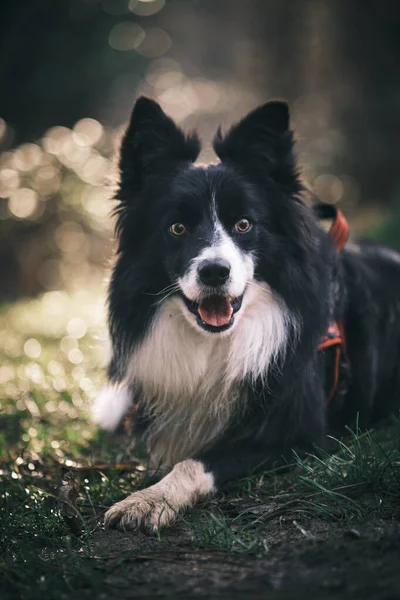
[[261, 142], [153, 143]]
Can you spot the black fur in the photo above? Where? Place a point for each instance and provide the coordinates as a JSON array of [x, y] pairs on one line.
[[257, 177]]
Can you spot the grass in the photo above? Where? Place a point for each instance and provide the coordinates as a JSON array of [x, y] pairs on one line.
[[51, 363]]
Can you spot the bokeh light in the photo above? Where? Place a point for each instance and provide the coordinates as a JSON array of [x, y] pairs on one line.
[[146, 8], [3, 129], [32, 348], [126, 36], [22, 203], [9, 181], [87, 132], [156, 42]]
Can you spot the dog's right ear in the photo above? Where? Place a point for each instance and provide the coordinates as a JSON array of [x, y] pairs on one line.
[[153, 143]]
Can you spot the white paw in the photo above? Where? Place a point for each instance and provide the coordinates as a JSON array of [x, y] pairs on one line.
[[145, 509], [158, 505]]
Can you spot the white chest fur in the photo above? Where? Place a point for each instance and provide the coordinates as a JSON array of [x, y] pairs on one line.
[[192, 383]]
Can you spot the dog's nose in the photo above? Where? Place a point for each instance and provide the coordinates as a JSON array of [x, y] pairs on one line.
[[214, 272]]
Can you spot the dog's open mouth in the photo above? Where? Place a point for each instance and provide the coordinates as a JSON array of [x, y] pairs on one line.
[[215, 313]]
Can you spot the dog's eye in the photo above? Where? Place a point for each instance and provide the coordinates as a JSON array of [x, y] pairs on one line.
[[177, 229], [243, 225]]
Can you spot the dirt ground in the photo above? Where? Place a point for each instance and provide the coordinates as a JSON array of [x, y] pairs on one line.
[[307, 559]]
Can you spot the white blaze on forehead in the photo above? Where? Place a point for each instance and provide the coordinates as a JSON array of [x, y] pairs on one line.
[[214, 213], [222, 247]]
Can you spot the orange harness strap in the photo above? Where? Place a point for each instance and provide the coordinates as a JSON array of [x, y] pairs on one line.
[[335, 337], [339, 231]]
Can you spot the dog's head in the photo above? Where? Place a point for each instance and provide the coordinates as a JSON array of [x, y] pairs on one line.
[[206, 233]]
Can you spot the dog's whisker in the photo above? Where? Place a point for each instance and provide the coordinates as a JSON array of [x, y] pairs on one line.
[[164, 290], [170, 293]]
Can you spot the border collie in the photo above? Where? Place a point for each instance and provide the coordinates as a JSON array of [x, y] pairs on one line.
[[223, 286]]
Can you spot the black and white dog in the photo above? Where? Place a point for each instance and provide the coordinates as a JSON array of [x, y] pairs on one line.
[[223, 286]]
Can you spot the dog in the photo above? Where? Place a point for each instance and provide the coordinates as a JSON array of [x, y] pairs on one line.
[[223, 285]]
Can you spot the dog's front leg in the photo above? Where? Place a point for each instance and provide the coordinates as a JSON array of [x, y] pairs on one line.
[[189, 480], [158, 505]]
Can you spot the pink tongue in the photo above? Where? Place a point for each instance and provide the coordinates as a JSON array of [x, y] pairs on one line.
[[216, 311]]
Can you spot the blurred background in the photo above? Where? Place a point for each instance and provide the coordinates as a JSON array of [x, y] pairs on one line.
[[70, 71]]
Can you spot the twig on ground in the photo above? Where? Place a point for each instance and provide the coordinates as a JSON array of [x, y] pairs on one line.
[[67, 496]]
